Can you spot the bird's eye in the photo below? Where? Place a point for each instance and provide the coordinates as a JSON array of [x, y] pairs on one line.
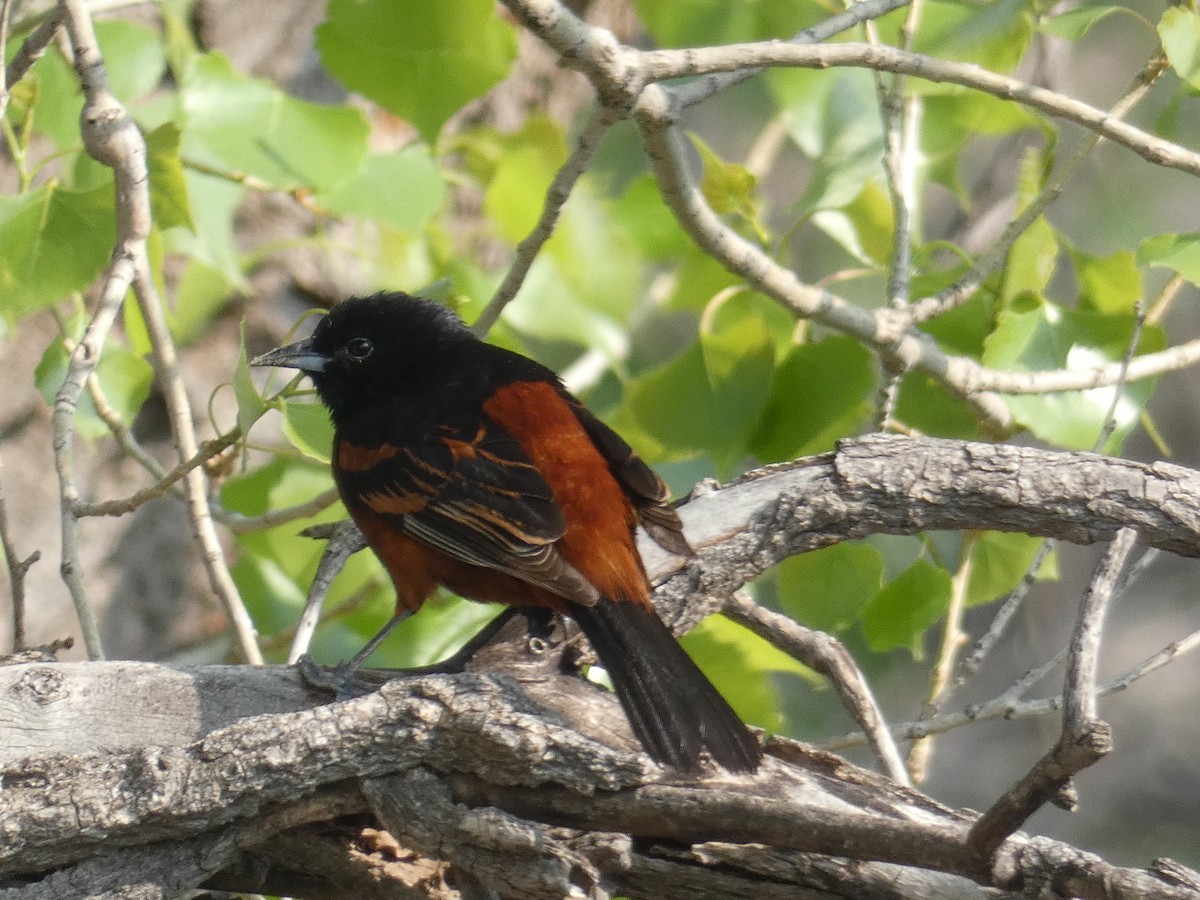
[[359, 348]]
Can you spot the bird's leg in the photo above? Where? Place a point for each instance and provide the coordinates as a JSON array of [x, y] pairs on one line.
[[341, 679]]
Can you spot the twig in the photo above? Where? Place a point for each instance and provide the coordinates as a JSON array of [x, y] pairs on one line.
[[1110, 417], [962, 289], [1084, 739], [17, 569], [1165, 297], [953, 638], [194, 482], [825, 654], [657, 65], [5, 10], [556, 197], [899, 115], [204, 453], [999, 624], [702, 89], [34, 46], [114, 140], [344, 540], [242, 524]]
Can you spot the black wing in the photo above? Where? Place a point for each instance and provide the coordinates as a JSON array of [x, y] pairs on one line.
[[470, 491]]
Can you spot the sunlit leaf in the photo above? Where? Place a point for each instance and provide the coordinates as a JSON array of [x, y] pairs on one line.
[[740, 663], [999, 562], [421, 61], [248, 125], [1075, 22], [308, 428], [828, 589], [1179, 29], [403, 189], [1178, 252], [901, 612], [52, 242], [820, 392], [169, 200], [1035, 335]]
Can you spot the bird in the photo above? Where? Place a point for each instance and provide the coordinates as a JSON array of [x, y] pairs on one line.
[[470, 466]]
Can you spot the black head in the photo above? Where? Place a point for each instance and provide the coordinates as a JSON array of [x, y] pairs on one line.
[[373, 350]]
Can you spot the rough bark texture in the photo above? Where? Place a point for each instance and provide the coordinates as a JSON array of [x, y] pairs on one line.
[[514, 777]]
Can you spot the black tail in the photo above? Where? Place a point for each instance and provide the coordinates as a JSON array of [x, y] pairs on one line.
[[674, 710]]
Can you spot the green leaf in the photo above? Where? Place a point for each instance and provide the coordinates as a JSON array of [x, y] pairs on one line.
[[214, 202], [248, 125], [992, 35], [832, 118], [202, 292], [1034, 335], [820, 392], [708, 398], [863, 227], [419, 60], [683, 23], [999, 562], [828, 589], [308, 428], [133, 57], [402, 189], [1031, 259], [900, 613], [548, 308], [53, 242], [728, 187], [520, 176], [124, 378], [1179, 29], [1108, 284], [641, 213], [926, 406], [1178, 252], [169, 200], [739, 663], [1078, 21], [250, 403], [441, 627]]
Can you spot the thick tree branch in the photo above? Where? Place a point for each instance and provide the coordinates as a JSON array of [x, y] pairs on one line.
[[504, 763]]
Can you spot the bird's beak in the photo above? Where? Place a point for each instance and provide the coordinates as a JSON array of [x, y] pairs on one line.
[[300, 355]]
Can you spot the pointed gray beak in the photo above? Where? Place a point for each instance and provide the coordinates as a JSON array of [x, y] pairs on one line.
[[300, 355]]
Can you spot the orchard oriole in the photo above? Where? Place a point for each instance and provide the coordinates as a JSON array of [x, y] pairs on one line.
[[470, 466]]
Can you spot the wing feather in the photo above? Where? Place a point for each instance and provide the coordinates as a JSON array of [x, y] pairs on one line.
[[470, 491]]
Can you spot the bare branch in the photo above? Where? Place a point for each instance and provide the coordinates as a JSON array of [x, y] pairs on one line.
[[17, 569], [34, 47], [658, 65], [113, 139], [344, 540], [241, 524], [1084, 739], [206, 452], [825, 654], [557, 194]]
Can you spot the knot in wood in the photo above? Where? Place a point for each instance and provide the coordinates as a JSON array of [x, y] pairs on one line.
[[41, 685]]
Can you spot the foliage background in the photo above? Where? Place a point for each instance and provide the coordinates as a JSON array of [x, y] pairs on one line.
[[274, 189]]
